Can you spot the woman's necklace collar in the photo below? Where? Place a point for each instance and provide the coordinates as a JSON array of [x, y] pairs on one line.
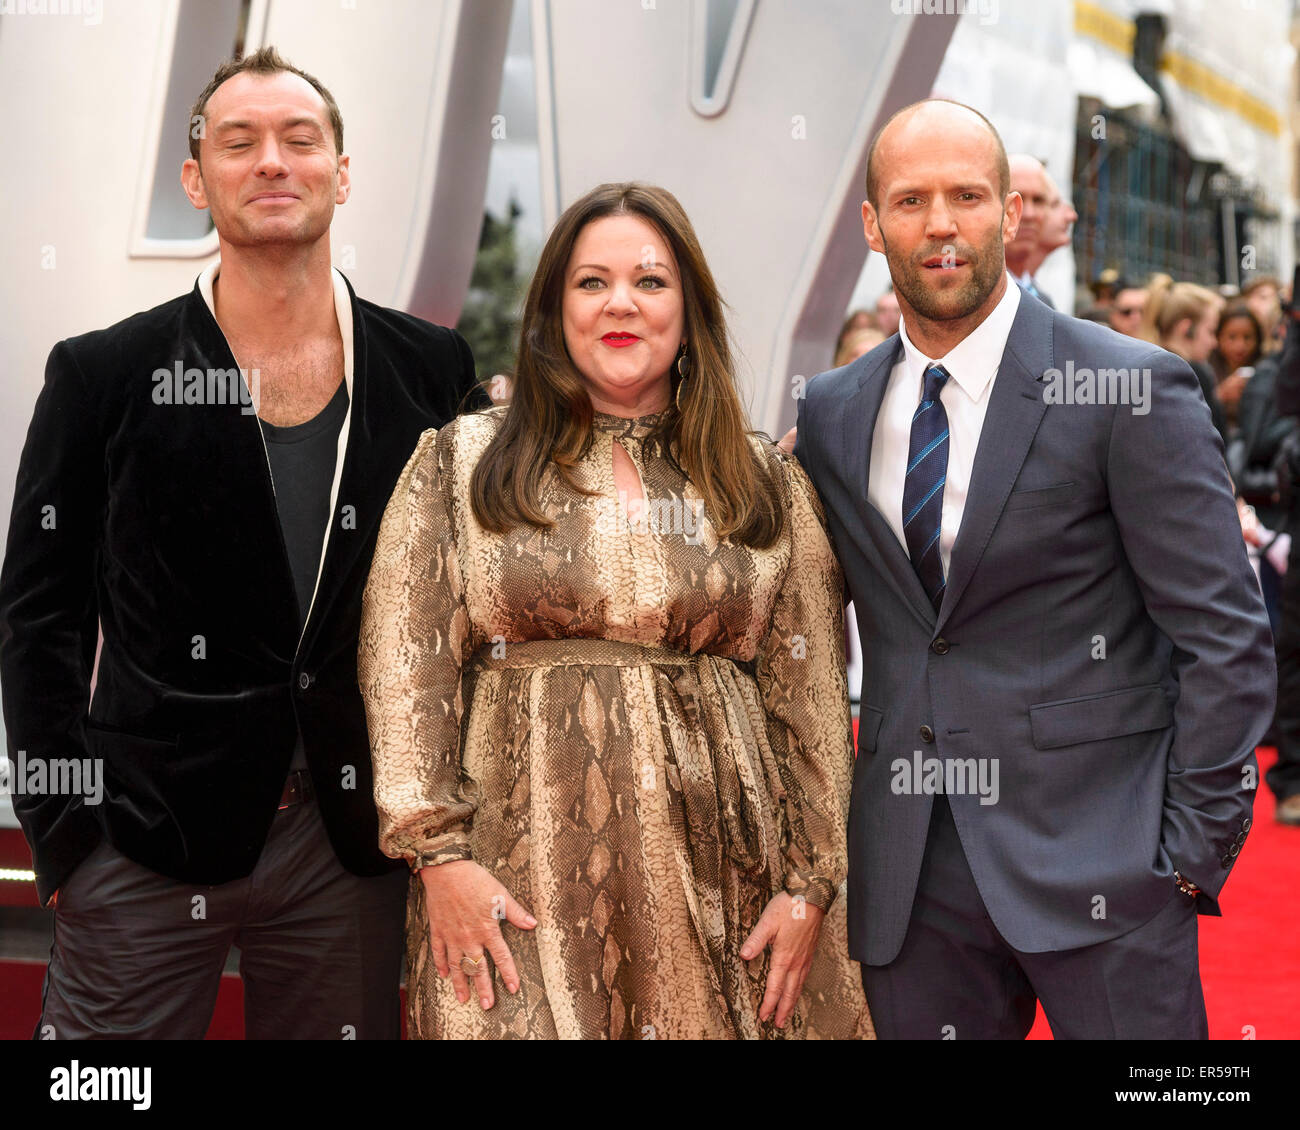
[[636, 427]]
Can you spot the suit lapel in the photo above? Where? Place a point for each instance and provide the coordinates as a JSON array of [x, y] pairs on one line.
[[857, 437], [344, 541], [245, 449], [1016, 408]]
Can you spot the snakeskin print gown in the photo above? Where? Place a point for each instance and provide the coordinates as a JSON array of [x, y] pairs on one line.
[[641, 730]]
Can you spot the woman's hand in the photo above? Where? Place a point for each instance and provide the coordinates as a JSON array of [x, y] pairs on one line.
[[786, 442], [465, 905], [1249, 523], [792, 927]]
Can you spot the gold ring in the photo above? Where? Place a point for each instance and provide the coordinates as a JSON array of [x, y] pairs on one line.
[[469, 965]]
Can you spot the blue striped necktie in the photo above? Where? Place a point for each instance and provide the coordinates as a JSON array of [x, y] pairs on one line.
[[927, 469]]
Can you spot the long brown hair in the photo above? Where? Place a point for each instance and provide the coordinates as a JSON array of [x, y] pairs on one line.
[[1231, 313], [550, 414]]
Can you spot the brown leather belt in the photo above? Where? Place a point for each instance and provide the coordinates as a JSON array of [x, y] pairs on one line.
[[297, 790]]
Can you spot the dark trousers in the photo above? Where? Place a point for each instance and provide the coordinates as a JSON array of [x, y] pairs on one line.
[[1284, 777], [957, 978], [139, 956]]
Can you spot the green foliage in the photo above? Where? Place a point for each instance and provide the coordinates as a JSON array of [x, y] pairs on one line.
[[490, 318]]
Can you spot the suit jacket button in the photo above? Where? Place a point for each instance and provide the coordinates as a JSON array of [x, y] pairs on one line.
[[1245, 824], [304, 681], [927, 734], [1232, 851], [940, 646]]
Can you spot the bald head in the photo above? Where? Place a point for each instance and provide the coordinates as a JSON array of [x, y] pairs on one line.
[[1029, 178], [1026, 164], [935, 123], [941, 215], [1058, 220]]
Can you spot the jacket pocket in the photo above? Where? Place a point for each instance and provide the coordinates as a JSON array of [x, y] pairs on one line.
[[1039, 496], [1093, 718], [136, 771], [869, 720]]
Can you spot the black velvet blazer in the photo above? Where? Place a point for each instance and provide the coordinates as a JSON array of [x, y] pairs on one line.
[[158, 522]]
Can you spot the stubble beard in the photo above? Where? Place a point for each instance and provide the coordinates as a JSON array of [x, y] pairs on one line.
[[308, 230], [908, 273], [236, 227]]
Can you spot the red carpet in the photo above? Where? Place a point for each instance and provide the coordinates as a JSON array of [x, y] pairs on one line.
[[20, 1003], [1250, 959]]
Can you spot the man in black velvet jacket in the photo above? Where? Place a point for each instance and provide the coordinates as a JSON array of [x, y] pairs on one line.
[[217, 523]]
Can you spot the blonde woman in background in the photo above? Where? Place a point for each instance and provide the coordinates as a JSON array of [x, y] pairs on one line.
[[1183, 318], [855, 343]]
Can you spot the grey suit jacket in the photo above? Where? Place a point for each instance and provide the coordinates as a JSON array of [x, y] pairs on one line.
[[1041, 295], [1102, 646]]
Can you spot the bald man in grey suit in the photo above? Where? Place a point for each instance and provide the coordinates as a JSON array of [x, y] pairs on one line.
[[1067, 662]]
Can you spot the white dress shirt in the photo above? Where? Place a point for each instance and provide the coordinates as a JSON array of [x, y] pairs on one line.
[[972, 365]]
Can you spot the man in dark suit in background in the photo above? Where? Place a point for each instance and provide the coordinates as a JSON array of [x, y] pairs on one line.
[[1057, 230], [205, 481], [1027, 251], [1067, 661]]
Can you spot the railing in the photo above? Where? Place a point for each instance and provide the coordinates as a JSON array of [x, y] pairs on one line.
[[1146, 205]]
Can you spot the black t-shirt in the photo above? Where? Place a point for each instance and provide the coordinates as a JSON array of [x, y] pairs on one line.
[[302, 471]]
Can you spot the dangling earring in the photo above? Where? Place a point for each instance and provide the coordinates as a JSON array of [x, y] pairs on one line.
[[683, 371]]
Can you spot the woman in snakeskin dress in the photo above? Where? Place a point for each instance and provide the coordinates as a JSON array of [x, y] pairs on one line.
[[603, 668]]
